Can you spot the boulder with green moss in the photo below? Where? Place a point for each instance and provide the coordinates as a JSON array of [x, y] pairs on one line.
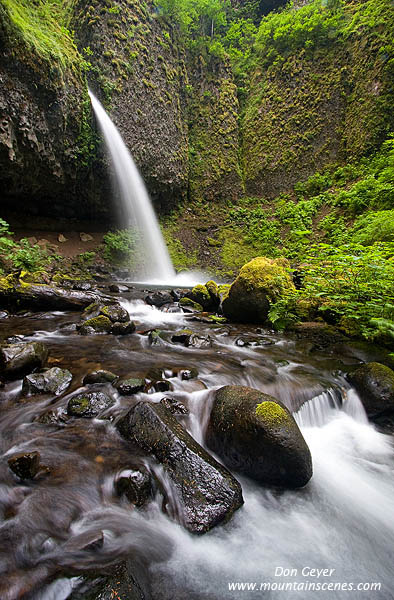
[[255, 434], [260, 282], [98, 324], [89, 404], [188, 303], [374, 383], [205, 295]]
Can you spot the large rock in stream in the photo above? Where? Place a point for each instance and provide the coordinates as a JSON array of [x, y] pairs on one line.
[[19, 359], [374, 383], [259, 283], [38, 296], [255, 434], [206, 491]]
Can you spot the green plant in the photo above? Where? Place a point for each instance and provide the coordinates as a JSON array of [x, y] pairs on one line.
[[120, 247]]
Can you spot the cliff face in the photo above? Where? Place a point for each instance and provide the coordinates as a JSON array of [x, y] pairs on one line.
[[316, 93], [45, 129]]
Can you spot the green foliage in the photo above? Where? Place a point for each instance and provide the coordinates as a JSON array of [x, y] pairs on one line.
[[374, 227], [20, 255], [43, 27], [120, 247]]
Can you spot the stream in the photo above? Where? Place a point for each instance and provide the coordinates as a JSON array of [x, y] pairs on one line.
[[342, 521]]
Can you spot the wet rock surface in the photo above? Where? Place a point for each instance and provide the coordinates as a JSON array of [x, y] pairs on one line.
[[374, 383], [208, 493], [255, 434], [20, 358], [25, 465], [129, 386], [54, 380], [136, 485], [89, 404]]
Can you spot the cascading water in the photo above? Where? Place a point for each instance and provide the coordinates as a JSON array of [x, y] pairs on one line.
[[136, 202]]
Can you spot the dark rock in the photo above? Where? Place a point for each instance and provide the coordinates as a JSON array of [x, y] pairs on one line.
[[53, 417], [89, 404], [100, 376], [182, 337], [118, 289], [123, 328], [130, 386], [256, 435], [51, 381], [82, 286], [374, 384], [136, 485], [158, 299], [4, 314], [25, 465], [18, 359], [188, 303], [175, 407], [176, 295], [162, 385], [208, 493], [155, 338], [46, 297], [115, 313], [98, 324], [200, 341], [259, 283], [321, 334], [187, 374]]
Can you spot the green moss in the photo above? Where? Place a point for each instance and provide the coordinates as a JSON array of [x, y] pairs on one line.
[[266, 274], [79, 405], [190, 303], [272, 414], [99, 324]]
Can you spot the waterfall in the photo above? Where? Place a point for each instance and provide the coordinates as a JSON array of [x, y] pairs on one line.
[[136, 202]]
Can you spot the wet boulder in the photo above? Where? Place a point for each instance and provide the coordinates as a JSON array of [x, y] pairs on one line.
[[374, 384], [123, 328], [190, 305], [115, 313], [206, 296], [38, 296], [159, 299], [130, 386], [182, 337], [98, 324], [20, 358], [255, 434], [100, 376], [174, 406], [50, 381], [155, 338], [89, 404], [260, 282], [25, 464], [135, 484], [206, 491]]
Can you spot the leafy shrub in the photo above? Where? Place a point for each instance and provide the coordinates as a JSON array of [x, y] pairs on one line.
[[120, 247], [374, 227]]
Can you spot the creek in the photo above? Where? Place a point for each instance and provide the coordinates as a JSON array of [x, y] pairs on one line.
[[343, 520]]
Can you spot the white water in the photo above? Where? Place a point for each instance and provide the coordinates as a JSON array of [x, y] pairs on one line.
[[136, 202]]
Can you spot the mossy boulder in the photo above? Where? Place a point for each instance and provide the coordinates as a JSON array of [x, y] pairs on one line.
[[115, 313], [130, 386], [191, 304], [124, 328], [51, 381], [259, 283], [100, 376], [374, 384], [206, 295], [98, 324], [19, 359], [255, 434], [89, 404]]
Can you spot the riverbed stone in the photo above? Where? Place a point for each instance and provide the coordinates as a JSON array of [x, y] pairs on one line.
[[130, 386], [100, 376], [135, 484], [89, 404], [50, 381], [115, 313], [25, 464], [124, 328], [98, 324], [255, 434], [159, 299], [259, 283], [188, 303], [20, 358], [207, 492], [374, 384]]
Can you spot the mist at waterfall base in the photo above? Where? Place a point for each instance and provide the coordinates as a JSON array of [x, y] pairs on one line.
[[138, 209]]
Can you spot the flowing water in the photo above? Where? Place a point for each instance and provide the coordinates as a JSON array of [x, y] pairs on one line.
[[342, 520], [135, 201]]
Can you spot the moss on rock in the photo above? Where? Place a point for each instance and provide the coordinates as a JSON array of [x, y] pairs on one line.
[[259, 283]]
